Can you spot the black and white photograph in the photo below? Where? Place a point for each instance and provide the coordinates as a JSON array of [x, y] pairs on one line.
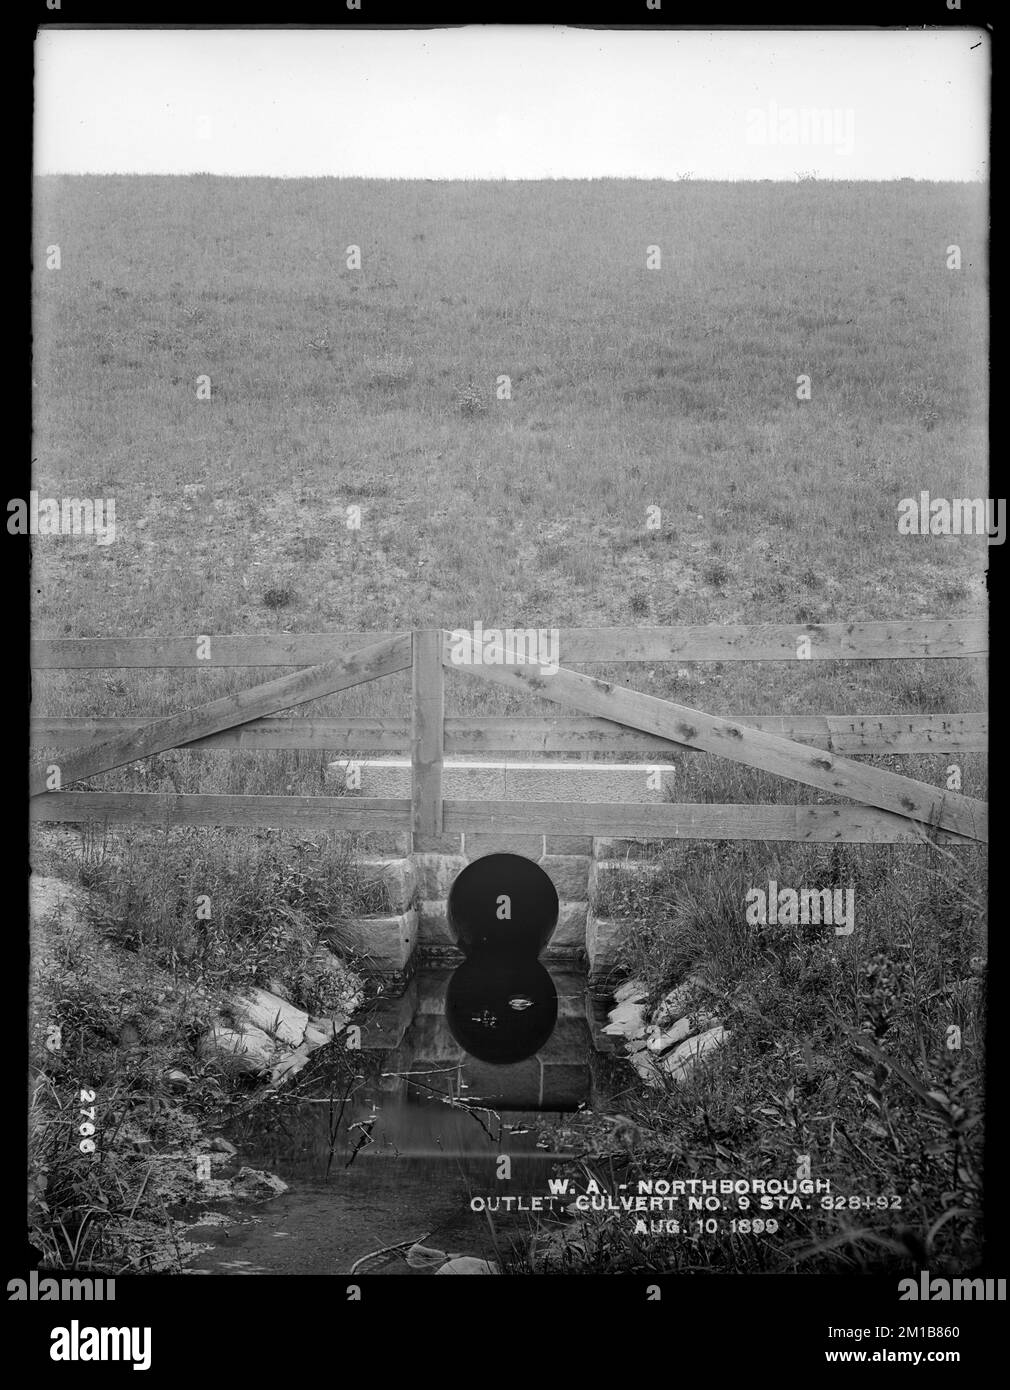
[[507, 543]]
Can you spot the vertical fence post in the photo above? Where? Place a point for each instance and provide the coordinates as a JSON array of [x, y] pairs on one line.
[[427, 733]]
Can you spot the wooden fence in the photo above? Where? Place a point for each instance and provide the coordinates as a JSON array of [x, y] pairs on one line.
[[816, 750]]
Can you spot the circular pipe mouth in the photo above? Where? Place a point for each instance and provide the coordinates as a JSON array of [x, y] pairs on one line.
[[503, 905], [481, 1012]]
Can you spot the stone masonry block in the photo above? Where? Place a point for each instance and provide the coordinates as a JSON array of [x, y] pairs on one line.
[[569, 873], [603, 941], [435, 873], [505, 780], [433, 924], [397, 876], [386, 944], [570, 932], [437, 844], [477, 845]]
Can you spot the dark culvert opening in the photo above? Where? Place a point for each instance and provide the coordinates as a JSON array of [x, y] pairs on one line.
[[501, 1004], [503, 905]]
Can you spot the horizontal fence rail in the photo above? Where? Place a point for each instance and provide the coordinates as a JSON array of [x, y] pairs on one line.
[[280, 812], [632, 820], [915, 640], [852, 734], [810, 749]]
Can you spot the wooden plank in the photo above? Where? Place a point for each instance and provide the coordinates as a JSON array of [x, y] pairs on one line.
[[851, 734], [905, 639], [226, 649], [428, 733], [879, 733], [274, 731], [380, 659], [691, 821], [664, 820], [752, 747], [166, 808], [841, 733]]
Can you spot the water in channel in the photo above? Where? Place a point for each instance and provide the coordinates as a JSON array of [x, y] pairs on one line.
[[389, 1144]]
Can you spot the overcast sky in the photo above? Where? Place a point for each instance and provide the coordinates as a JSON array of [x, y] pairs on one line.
[[514, 102]]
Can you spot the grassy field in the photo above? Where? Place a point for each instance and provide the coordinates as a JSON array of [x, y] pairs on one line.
[[630, 388]]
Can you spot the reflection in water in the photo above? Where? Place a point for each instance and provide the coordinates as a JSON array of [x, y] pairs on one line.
[[501, 1011], [390, 1143]]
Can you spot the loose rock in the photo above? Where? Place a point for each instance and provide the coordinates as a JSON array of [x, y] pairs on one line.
[[675, 1004], [680, 1063], [468, 1264], [685, 1028], [253, 1182]]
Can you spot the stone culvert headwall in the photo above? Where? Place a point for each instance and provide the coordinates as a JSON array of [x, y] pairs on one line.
[[420, 877], [416, 929]]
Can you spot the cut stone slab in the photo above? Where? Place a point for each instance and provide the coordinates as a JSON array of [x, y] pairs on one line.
[[683, 1028], [318, 1037], [426, 1257], [678, 1001], [397, 876], [468, 1264], [436, 873], [502, 780], [603, 940], [570, 931], [681, 1062], [627, 1020], [436, 844], [385, 944], [569, 873], [477, 844], [249, 1050], [272, 1015], [290, 1064], [433, 924]]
